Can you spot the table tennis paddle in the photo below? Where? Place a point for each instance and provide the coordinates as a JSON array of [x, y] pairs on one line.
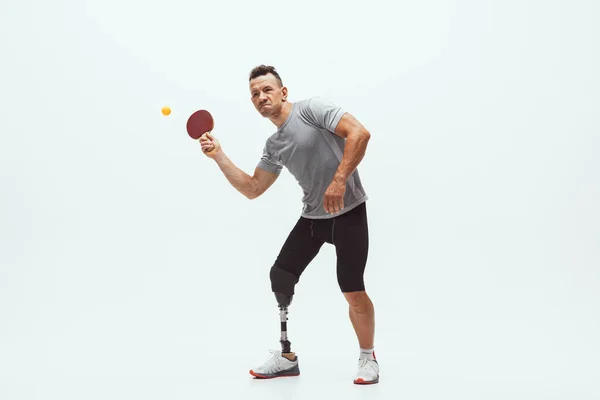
[[199, 123]]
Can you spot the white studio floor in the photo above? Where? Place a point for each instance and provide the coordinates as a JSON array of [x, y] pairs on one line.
[[155, 335]]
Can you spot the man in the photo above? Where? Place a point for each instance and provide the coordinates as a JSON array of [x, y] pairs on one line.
[[321, 146]]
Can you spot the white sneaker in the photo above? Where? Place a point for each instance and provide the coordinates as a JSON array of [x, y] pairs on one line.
[[276, 366], [368, 372]]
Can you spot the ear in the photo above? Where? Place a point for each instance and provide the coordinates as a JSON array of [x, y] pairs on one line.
[[284, 90]]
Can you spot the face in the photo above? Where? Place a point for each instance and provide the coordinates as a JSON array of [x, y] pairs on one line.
[[267, 96]]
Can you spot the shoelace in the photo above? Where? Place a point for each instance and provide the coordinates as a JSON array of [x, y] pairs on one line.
[[274, 354], [364, 363], [274, 360]]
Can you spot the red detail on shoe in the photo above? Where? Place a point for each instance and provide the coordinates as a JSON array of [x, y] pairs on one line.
[[256, 375], [374, 355], [361, 381]]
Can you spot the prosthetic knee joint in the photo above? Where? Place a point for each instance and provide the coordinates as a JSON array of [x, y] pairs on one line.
[[282, 284]]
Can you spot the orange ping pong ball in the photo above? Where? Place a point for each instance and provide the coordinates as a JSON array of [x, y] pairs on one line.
[[166, 110]]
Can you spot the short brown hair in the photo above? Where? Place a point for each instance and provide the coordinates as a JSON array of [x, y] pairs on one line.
[[264, 70]]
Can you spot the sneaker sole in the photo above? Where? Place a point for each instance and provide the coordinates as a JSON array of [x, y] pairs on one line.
[[284, 374], [361, 381]]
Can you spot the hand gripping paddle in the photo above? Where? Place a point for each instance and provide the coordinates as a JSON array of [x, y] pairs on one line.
[[199, 123]]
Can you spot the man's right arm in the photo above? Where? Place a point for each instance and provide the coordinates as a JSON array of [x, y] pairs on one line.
[[249, 186]]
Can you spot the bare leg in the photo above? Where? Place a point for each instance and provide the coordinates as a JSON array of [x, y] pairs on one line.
[[362, 316]]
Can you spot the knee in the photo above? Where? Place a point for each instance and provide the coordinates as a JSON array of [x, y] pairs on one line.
[[282, 281], [351, 284], [357, 299]]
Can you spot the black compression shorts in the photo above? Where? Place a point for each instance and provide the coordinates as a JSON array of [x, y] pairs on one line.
[[349, 234]]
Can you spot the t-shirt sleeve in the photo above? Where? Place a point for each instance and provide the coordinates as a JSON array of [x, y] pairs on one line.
[[324, 113], [268, 162]]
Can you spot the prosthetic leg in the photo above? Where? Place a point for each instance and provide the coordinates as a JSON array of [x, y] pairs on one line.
[[282, 284], [284, 301], [286, 363]]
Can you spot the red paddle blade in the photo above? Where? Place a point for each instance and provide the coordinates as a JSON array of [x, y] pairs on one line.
[[199, 123]]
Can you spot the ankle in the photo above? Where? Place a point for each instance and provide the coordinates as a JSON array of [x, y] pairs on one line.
[[289, 356], [368, 353]]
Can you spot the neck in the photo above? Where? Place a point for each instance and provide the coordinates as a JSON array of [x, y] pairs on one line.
[[282, 116]]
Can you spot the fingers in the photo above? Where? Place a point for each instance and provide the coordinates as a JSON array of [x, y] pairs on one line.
[[326, 203], [206, 147], [333, 204], [338, 204], [207, 136], [206, 142]]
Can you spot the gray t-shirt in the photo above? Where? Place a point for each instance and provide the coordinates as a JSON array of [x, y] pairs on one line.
[[308, 147]]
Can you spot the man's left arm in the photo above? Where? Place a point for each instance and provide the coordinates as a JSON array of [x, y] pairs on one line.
[[357, 137]]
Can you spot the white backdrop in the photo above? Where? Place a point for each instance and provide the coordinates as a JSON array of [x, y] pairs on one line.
[[130, 268]]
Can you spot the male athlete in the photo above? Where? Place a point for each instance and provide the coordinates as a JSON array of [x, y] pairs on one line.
[[321, 146]]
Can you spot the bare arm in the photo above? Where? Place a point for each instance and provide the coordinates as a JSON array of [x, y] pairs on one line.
[[357, 138], [249, 186]]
